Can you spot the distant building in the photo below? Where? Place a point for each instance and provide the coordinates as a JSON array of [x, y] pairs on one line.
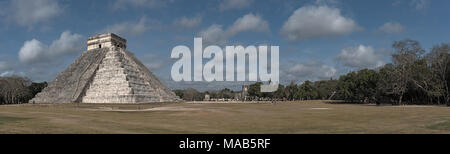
[[238, 96], [207, 97], [244, 93]]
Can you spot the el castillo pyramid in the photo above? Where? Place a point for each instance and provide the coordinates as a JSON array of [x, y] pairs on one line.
[[106, 73]]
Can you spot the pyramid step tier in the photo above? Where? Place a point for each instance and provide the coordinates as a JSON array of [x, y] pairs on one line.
[[105, 75], [119, 80]]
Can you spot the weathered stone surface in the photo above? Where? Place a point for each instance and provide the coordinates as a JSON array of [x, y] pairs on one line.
[[106, 75], [69, 84], [106, 40], [121, 78]]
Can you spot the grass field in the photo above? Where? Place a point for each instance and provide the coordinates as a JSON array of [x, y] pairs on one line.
[[288, 117]]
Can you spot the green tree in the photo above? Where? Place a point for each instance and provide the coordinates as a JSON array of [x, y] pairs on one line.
[[325, 89], [179, 93], [439, 59], [291, 91], [191, 94], [346, 87], [385, 89], [366, 85], [406, 52], [279, 94], [225, 93], [254, 90], [36, 88], [14, 90], [307, 91]]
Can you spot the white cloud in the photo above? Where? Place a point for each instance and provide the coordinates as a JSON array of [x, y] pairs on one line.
[[11, 73], [317, 21], [27, 13], [214, 34], [420, 4], [6, 73], [362, 57], [3, 5], [249, 22], [7, 64], [122, 4], [40, 73], [324, 2], [4, 65], [312, 70], [34, 51], [186, 22], [234, 4], [396, 3], [129, 28], [152, 61], [392, 28]]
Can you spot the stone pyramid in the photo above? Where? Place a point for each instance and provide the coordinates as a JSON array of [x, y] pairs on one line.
[[106, 73]]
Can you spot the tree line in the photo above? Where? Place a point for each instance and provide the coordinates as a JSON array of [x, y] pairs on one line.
[[191, 94], [17, 90], [414, 77]]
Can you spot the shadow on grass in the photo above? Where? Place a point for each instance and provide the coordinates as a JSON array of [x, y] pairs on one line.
[[4, 120], [440, 126], [344, 102]]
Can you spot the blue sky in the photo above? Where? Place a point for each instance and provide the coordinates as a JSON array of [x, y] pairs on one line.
[[318, 39]]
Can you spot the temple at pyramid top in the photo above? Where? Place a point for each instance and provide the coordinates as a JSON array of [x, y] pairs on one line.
[[106, 40]]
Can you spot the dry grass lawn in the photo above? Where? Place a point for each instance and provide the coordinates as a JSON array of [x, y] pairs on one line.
[[287, 117]]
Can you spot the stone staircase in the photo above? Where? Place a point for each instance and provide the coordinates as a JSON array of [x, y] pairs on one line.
[[119, 80]]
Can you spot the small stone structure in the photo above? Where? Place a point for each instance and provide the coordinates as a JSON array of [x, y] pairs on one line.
[[106, 40], [207, 97], [244, 93], [106, 73]]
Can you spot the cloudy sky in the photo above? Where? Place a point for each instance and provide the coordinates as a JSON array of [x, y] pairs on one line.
[[318, 39]]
